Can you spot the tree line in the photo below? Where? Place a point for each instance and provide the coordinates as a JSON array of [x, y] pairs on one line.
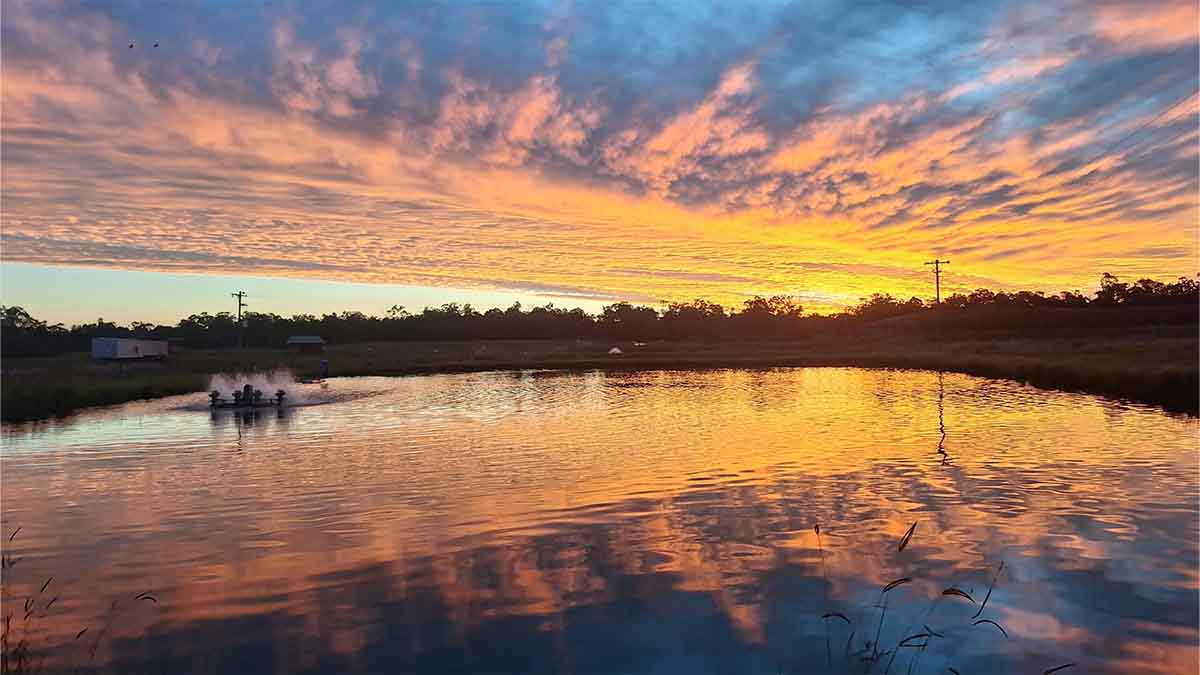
[[777, 317]]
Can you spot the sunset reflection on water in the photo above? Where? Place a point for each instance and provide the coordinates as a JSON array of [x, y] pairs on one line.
[[619, 522]]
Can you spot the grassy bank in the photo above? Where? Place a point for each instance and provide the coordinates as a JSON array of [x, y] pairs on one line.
[[62, 393], [1159, 367]]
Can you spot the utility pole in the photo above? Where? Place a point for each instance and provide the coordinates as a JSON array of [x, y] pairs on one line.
[[937, 277], [241, 296]]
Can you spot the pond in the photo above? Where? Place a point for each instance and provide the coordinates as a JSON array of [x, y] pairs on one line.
[[620, 522]]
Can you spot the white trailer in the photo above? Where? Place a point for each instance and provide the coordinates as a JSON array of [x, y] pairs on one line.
[[127, 348]]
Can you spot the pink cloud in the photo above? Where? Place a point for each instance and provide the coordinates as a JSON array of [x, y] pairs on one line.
[[308, 85], [719, 126], [1145, 24]]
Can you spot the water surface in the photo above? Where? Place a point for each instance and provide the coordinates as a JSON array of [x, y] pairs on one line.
[[613, 523]]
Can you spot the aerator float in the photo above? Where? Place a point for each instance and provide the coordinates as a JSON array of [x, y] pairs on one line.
[[246, 398]]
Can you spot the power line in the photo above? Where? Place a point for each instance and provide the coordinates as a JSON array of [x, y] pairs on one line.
[[1141, 127]]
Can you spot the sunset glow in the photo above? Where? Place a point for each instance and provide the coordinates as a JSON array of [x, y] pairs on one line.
[[600, 152]]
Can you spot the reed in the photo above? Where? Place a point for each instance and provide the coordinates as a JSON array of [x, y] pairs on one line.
[[872, 655], [19, 655], [825, 590]]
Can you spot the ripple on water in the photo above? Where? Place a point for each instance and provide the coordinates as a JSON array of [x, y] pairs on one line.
[[599, 520]]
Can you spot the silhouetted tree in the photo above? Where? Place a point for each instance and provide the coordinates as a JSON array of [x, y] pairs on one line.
[[759, 318], [1112, 291], [698, 319], [625, 321], [884, 306]]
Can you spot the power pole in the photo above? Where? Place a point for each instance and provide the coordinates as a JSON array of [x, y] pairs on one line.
[[937, 277], [241, 296]]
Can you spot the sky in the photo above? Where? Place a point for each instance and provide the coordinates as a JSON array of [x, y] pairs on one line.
[[354, 156]]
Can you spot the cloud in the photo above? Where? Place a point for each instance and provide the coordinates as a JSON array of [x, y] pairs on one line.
[[530, 149], [1137, 25], [306, 84], [717, 128]]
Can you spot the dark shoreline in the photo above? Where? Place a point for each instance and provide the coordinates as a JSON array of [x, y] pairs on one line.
[[1152, 369]]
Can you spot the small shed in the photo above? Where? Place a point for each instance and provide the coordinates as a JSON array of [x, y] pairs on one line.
[[117, 348], [306, 343]]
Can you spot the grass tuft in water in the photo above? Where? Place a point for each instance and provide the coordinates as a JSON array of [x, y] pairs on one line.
[[18, 654], [907, 535], [979, 621], [959, 593], [989, 591], [877, 654]]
